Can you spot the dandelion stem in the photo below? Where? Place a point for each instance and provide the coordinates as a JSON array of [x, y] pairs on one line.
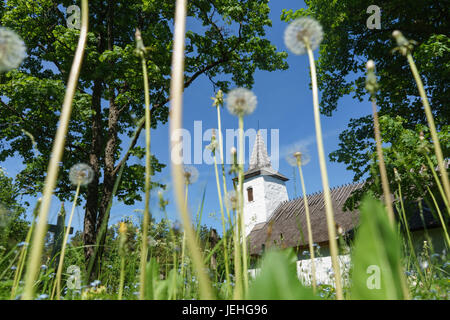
[[57, 284], [241, 202], [148, 173], [324, 174], [431, 125], [225, 249], [176, 94], [381, 164], [55, 158], [308, 224]]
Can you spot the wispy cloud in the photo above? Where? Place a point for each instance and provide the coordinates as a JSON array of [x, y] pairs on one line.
[[305, 143]]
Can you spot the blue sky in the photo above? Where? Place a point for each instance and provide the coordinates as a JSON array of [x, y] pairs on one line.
[[284, 103]]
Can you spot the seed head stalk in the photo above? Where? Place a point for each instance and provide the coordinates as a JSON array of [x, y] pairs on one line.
[[176, 94], [55, 158], [241, 203], [324, 174], [57, 284], [381, 164], [308, 224], [225, 242], [148, 168]]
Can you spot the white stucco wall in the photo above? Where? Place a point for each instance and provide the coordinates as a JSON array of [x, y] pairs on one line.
[[268, 193], [324, 269]]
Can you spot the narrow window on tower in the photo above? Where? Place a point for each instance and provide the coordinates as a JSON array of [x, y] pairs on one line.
[[250, 194]]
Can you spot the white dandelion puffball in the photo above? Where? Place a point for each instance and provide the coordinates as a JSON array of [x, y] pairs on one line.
[[300, 31], [81, 173], [232, 199], [12, 50], [298, 151], [190, 174], [241, 102]]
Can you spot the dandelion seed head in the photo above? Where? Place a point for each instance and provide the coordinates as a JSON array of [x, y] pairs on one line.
[[81, 173], [12, 50], [302, 31], [190, 174], [233, 151], [232, 199], [297, 154], [241, 102]]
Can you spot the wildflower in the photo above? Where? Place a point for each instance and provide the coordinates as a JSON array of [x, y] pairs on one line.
[[12, 50], [13, 268], [95, 283], [44, 267], [190, 174], [241, 102], [231, 199], [301, 33], [81, 174], [152, 242], [218, 99], [424, 264], [305, 253], [123, 228], [42, 296]]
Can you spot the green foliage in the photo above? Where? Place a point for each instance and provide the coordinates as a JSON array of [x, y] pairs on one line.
[[278, 279], [346, 47], [376, 256], [13, 226]]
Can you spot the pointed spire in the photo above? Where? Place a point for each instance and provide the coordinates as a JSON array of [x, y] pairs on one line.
[[259, 159]]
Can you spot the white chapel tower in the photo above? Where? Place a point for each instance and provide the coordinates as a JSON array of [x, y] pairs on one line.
[[264, 188]]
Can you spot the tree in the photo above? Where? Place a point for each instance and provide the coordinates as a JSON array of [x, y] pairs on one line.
[[109, 99], [13, 226], [348, 43]]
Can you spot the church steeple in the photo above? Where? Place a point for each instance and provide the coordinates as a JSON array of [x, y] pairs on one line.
[[259, 159], [264, 187]]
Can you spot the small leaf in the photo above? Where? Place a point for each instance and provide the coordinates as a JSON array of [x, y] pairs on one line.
[[377, 255], [278, 279]]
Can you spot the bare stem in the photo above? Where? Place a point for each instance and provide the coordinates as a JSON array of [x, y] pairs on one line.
[[148, 173], [57, 285], [324, 174], [382, 166], [241, 203], [176, 94], [308, 225], [55, 158]]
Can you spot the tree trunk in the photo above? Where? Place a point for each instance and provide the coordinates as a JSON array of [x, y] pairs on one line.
[[90, 217]]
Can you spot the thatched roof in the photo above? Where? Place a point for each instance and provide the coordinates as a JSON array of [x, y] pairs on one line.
[[283, 227]]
